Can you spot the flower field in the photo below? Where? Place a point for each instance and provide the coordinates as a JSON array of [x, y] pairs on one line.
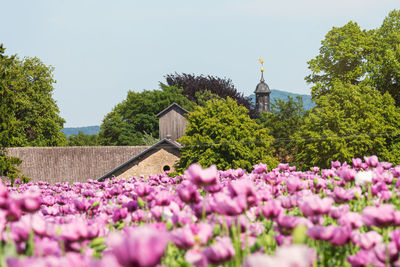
[[344, 216]]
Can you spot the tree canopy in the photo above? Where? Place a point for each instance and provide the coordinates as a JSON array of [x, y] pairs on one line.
[[192, 86], [348, 122], [285, 119], [349, 54], [222, 133], [130, 121]]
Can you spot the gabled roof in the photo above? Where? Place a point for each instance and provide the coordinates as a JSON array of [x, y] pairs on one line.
[[171, 107], [174, 144]]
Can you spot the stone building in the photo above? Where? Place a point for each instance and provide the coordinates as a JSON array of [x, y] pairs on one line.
[[78, 164]]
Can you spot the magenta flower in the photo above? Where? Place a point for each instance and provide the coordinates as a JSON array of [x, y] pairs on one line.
[[372, 161], [342, 195], [272, 209], [163, 198], [341, 235], [120, 214], [245, 188], [226, 205], [183, 237], [220, 252], [313, 205], [318, 232], [200, 176], [367, 240], [362, 258], [351, 219], [141, 246], [203, 231], [379, 216], [386, 252], [336, 212], [287, 223], [260, 168], [188, 192], [335, 164], [196, 258]]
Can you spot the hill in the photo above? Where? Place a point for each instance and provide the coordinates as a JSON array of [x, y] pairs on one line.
[[278, 94], [89, 130]]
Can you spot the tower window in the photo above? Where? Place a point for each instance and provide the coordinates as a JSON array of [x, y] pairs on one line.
[[166, 168]]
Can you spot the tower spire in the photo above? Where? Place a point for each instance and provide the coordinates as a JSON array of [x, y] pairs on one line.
[[262, 92]]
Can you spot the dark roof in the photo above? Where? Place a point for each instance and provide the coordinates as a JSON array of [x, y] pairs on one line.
[[71, 164], [167, 141], [171, 107], [262, 87]]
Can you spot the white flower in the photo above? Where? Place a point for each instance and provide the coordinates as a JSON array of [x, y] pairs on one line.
[[363, 178]]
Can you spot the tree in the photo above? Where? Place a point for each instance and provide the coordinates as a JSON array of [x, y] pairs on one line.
[[350, 121], [37, 113], [285, 119], [349, 54], [8, 165], [383, 64], [128, 122], [222, 88], [82, 139], [223, 134], [341, 58]]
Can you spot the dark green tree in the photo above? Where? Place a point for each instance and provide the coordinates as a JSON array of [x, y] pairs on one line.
[[350, 121], [82, 139], [285, 119], [222, 133], [383, 64], [36, 110], [8, 122], [128, 122]]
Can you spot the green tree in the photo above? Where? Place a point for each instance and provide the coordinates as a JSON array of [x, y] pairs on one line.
[[35, 109], [128, 122], [82, 139], [285, 119], [383, 64], [349, 121], [341, 58], [222, 133], [8, 165]]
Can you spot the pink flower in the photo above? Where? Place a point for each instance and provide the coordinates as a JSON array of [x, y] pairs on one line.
[[342, 195], [352, 219], [200, 176], [220, 252], [188, 192], [313, 205], [321, 232], [379, 216], [341, 235], [372, 161], [226, 205], [196, 258], [362, 258], [141, 246], [260, 168], [367, 240], [272, 209], [183, 237]]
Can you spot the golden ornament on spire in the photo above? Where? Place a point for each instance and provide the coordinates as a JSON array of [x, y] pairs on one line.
[[262, 64]]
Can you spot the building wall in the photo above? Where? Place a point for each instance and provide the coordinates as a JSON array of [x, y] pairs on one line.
[[152, 163], [172, 123]]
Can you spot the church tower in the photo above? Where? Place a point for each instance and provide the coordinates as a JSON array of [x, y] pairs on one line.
[[262, 93]]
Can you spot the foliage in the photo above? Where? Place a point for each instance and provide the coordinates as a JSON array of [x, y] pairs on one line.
[[8, 121], [348, 122], [349, 54], [341, 57], [127, 123], [383, 64], [39, 123], [285, 119], [222, 133], [82, 139], [223, 88]]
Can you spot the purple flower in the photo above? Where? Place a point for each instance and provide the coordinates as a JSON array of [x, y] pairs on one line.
[[335, 164], [196, 258], [142, 189], [163, 198], [321, 232], [336, 212], [287, 223], [351, 219], [188, 192], [272, 209], [226, 205], [313, 205], [342, 195], [141, 246], [245, 188], [200, 176], [220, 252], [386, 252], [183, 237], [260, 168], [120, 214], [203, 231], [367, 240], [362, 258], [379, 216], [372, 161], [340, 236]]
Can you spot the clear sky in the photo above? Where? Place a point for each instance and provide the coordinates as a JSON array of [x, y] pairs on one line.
[[101, 49]]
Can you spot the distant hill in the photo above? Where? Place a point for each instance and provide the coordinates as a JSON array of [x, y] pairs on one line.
[[277, 94], [89, 130]]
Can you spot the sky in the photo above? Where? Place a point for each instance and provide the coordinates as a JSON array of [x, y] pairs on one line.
[[102, 49]]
